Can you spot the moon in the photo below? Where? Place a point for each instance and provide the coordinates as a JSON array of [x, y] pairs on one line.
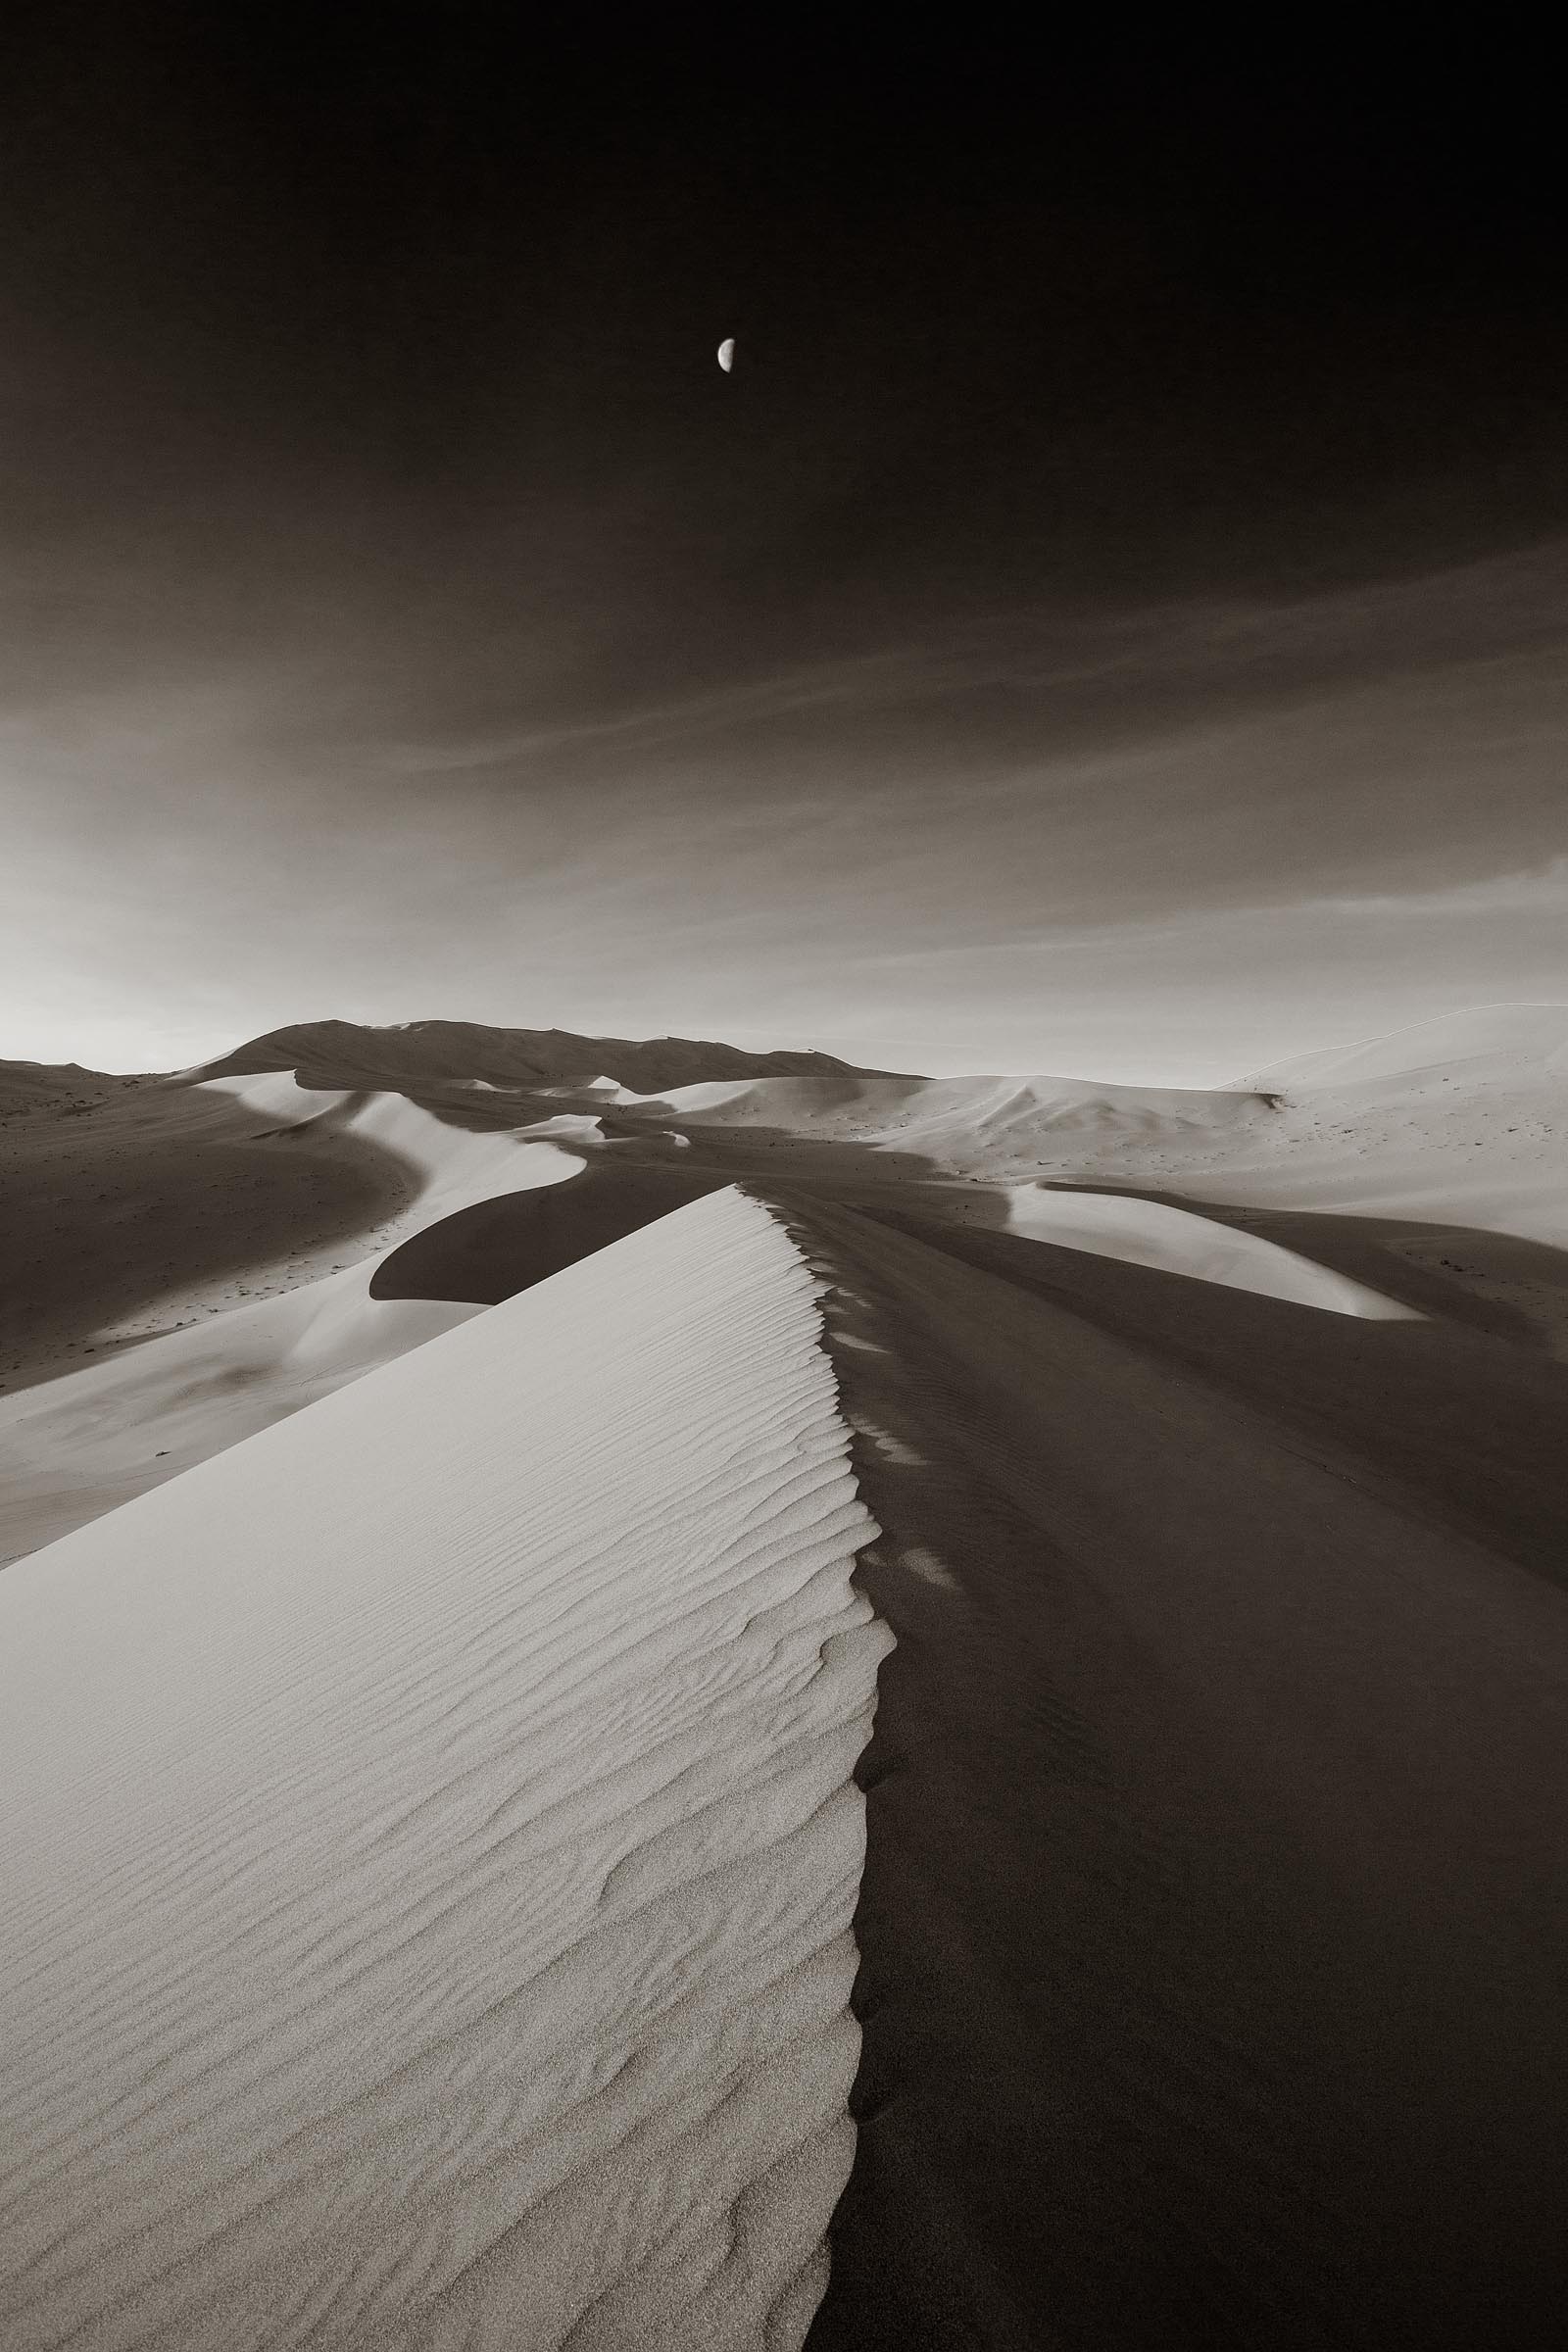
[[726, 354]]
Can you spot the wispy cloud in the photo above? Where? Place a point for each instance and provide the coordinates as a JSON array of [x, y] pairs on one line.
[[1126, 669], [1200, 806], [1537, 890]]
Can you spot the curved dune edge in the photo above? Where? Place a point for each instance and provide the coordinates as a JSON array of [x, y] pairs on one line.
[[1156, 1233], [77, 1447], [435, 1844]]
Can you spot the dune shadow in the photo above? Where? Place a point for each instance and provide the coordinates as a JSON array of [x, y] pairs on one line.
[[1464, 1422], [764, 1160], [1421, 1263], [505, 1245], [478, 1111], [493, 1248], [145, 1201], [1211, 1875]]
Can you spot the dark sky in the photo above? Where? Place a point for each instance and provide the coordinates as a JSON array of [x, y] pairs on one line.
[[1130, 548]]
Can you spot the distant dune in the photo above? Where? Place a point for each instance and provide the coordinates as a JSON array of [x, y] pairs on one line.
[[53, 1085], [228, 1247], [451, 1817], [1505, 1037], [352, 1054]]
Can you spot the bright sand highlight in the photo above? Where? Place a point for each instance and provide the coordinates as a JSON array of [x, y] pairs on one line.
[[434, 1844]]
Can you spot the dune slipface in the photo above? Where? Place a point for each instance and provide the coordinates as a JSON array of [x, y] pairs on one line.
[[1214, 1923], [434, 1844]]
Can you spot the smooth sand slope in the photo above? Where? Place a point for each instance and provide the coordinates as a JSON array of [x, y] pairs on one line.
[[151, 1406], [432, 1845], [1502, 1036], [1156, 1233], [496, 1212], [1216, 1919]]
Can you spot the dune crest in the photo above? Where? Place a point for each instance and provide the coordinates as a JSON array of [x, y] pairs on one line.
[[1153, 1233], [436, 1845]]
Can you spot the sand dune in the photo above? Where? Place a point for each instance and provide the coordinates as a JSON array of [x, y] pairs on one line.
[[27, 1086], [961, 1125], [1482, 1139], [1214, 1909], [504, 1245], [434, 1844], [410, 1052], [441, 1844], [496, 1212], [1434, 1190], [1153, 1233], [75, 1446], [1448, 1168], [168, 1201], [1512, 1035], [451, 1165]]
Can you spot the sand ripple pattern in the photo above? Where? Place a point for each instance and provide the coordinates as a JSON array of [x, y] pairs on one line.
[[432, 1845]]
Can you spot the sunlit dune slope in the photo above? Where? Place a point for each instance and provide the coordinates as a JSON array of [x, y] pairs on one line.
[[148, 1408], [1156, 1233], [1506, 1037], [73, 1448], [964, 1125], [434, 1845]]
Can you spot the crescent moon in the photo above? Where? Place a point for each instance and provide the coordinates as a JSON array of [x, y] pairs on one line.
[[726, 354]]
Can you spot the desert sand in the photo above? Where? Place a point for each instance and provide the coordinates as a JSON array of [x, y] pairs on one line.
[[449, 1616], [431, 1921]]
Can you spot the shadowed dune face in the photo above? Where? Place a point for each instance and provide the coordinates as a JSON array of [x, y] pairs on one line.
[[162, 1190], [498, 1247], [412, 1054], [1501, 1283], [1215, 1820], [1450, 1419]]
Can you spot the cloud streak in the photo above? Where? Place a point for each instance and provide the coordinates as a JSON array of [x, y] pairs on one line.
[[1175, 837]]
